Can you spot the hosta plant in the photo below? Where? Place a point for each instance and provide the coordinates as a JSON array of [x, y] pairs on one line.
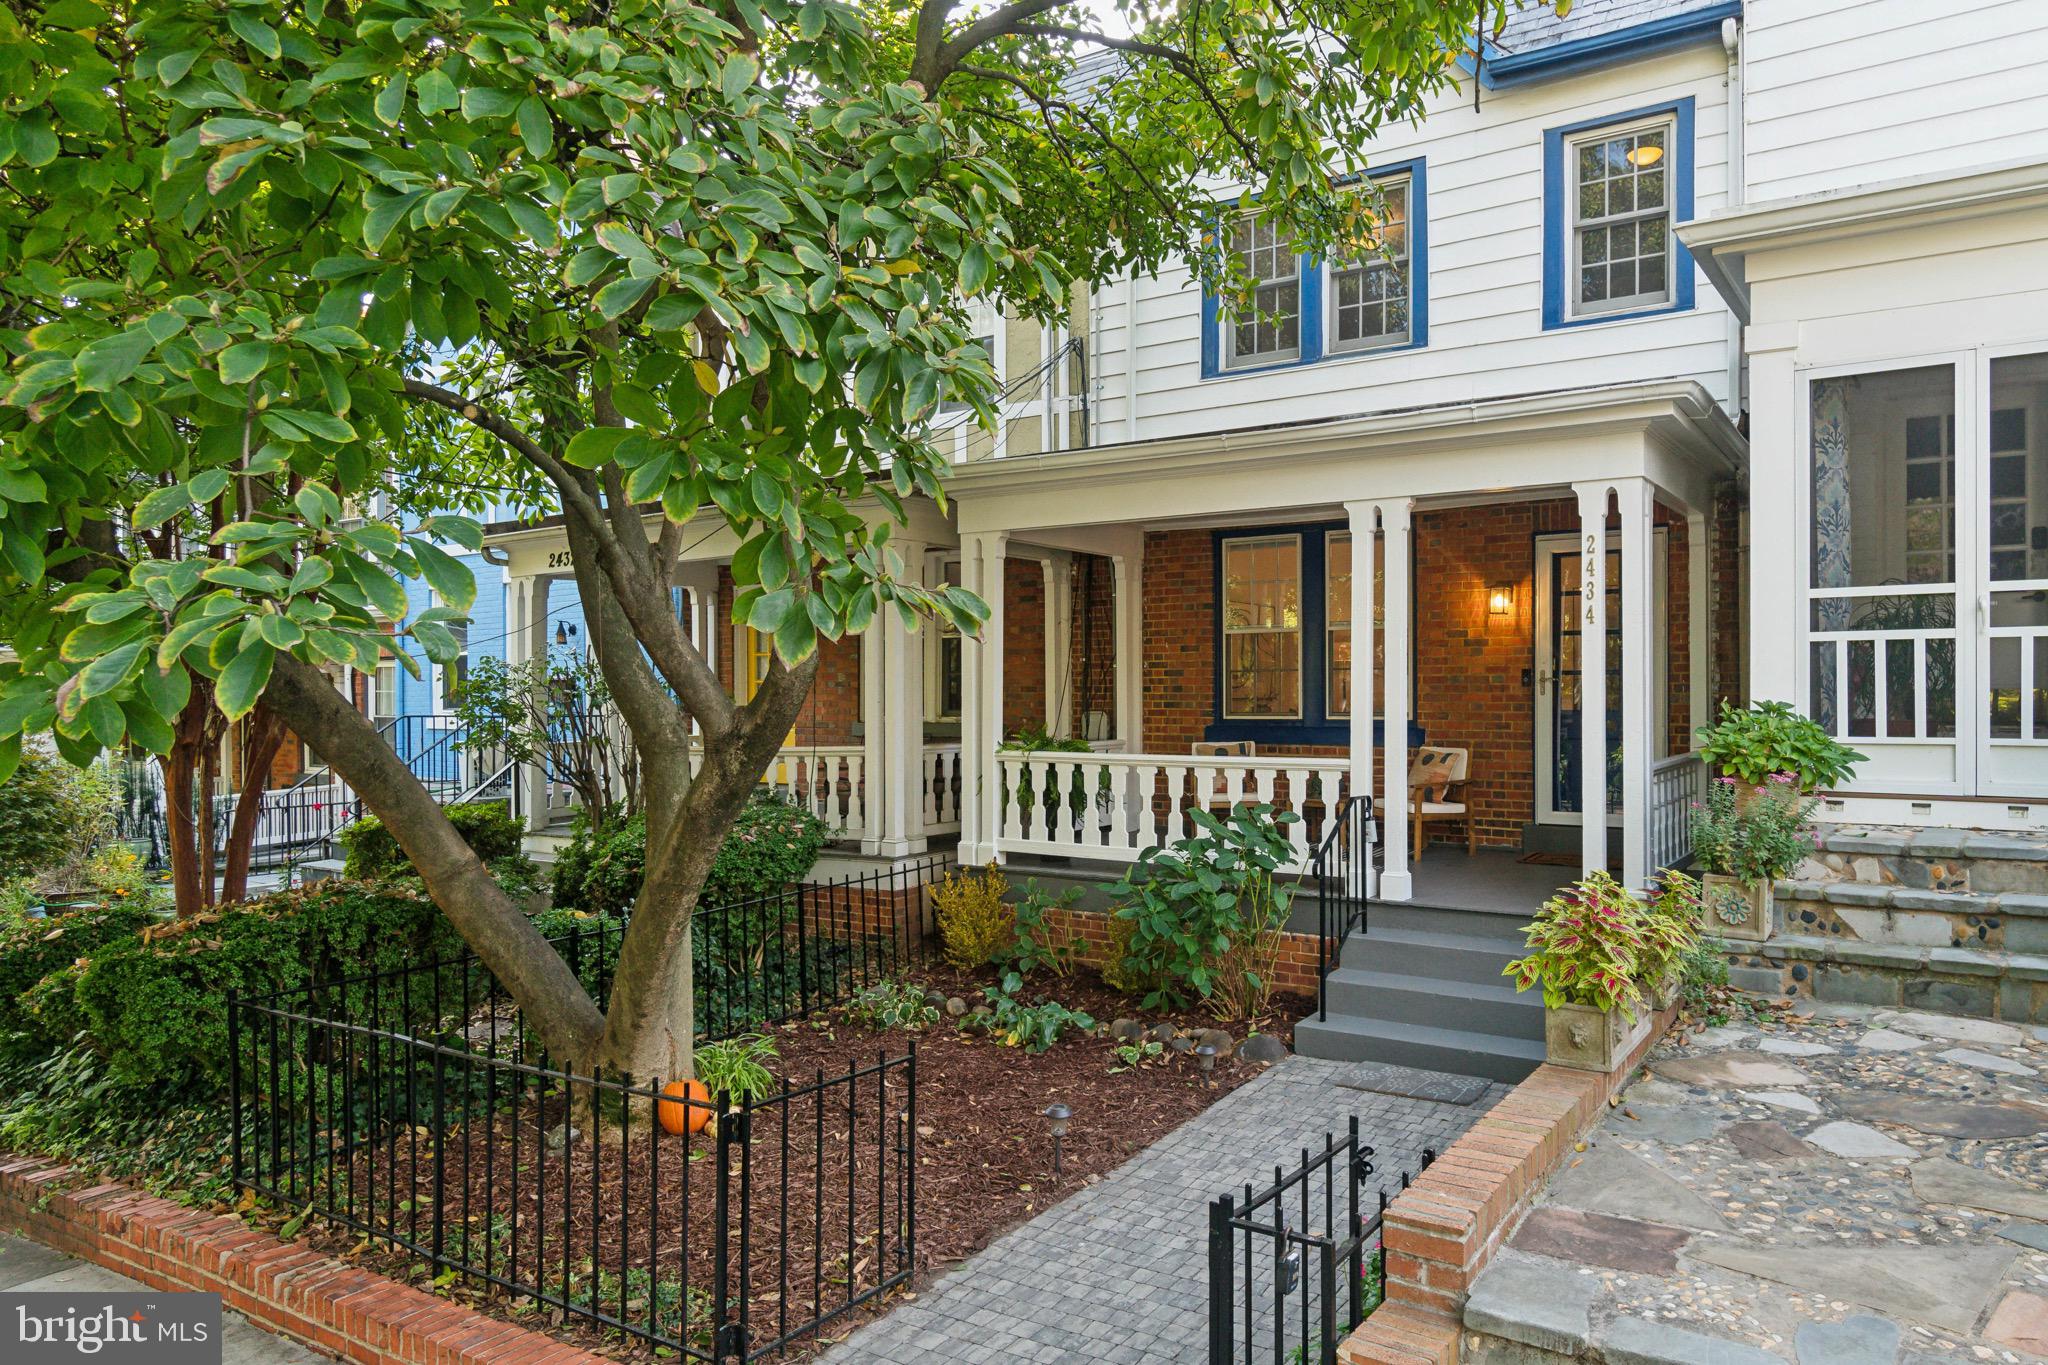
[[1586, 947], [1769, 737]]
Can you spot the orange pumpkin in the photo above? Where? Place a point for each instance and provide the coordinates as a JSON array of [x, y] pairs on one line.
[[679, 1117]]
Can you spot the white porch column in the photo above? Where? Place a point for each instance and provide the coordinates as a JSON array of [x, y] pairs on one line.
[[1396, 521], [1775, 531], [1699, 633], [981, 716], [1639, 708], [1592, 611], [1127, 568], [1364, 530], [895, 774], [1058, 568]]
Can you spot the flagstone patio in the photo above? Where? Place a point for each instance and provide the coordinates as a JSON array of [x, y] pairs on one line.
[[1861, 1186]]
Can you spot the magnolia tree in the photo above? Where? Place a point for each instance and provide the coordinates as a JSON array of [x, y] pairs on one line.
[[681, 266]]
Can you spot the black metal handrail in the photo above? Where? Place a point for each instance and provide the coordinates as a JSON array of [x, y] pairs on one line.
[[1318, 1211], [1342, 872]]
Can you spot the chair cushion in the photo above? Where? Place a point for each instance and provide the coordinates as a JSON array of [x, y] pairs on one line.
[[1443, 807]]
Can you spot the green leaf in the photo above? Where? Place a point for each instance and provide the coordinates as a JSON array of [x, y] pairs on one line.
[[620, 295], [595, 446], [255, 33], [242, 362], [102, 364], [242, 682], [110, 670], [435, 93], [446, 575], [391, 101], [740, 71], [536, 129]]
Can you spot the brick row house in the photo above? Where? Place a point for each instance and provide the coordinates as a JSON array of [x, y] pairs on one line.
[[1706, 360]]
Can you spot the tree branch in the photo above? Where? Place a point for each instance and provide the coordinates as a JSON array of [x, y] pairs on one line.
[[997, 23]]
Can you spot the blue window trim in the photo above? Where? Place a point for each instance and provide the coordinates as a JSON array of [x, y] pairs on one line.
[[1310, 270], [1314, 726], [1557, 222]]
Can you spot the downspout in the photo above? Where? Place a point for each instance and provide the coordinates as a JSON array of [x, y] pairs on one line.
[[1738, 177], [1130, 355]]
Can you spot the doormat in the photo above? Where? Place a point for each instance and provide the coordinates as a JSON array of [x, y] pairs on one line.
[[1550, 859], [1384, 1078]]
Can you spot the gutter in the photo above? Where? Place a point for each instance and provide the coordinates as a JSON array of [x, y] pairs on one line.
[[1622, 44]]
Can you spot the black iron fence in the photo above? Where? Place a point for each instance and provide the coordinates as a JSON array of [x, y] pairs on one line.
[[1341, 873], [418, 1108], [1295, 1267]]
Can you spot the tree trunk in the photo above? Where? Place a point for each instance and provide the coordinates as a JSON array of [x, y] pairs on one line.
[[550, 997], [180, 769], [265, 736], [650, 1020]]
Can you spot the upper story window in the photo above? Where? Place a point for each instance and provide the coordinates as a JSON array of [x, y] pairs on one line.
[[1370, 297], [1621, 219], [1612, 190], [1304, 309], [1270, 332]]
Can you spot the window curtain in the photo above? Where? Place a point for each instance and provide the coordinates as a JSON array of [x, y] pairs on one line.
[[1830, 541]]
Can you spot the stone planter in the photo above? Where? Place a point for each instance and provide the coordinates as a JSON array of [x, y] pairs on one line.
[[1586, 1039], [1664, 994], [1735, 908]]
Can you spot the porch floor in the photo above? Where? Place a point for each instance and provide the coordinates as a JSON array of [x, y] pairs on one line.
[[1492, 880]]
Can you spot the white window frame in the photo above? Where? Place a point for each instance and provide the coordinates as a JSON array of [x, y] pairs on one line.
[[383, 696], [1403, 264], [1299, 631], [1575, 225], [942, 569], [1332, 539], [1227, 356]]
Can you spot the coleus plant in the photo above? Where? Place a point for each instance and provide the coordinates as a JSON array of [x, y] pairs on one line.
[[1586, 947]]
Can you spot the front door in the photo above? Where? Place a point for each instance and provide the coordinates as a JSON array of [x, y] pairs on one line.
[[2012, 535], [1560, 666]]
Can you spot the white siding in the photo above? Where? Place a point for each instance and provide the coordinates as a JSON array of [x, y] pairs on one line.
[[1486, 338], [1843, 93]]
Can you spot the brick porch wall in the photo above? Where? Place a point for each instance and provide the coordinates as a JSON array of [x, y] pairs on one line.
[[1023, 645], [832, 710]]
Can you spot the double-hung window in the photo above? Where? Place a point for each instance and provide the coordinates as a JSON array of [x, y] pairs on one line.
[[1371, 297], [1612, 192], [1268, 331], [1262, 628]]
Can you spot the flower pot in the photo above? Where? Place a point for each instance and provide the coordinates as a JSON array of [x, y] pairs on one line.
[[1664, 994], [1586, 1039], [1736, 908]]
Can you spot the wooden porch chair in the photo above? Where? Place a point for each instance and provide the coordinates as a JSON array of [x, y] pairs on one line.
[[1436, 791], [1218, 799]]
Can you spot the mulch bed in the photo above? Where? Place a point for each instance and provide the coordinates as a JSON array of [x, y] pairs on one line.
[[644, 1205]]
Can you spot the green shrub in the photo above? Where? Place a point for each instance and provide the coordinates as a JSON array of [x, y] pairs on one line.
[[155, 1005], [1034, 1027], [772, 845], [1770, 737], [1205, 913], [32, 949], [975, 922], [1041, 940], [1120, 971], [892, 1005], [65, 1104], [738, 1067], [51, 814], [491, 831]]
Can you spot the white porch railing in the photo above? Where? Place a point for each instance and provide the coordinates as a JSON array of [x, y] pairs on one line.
[[939, 783], [1114, 806], [1677, 784]]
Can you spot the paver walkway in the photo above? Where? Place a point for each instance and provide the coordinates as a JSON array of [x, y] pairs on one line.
[[1118, 1272], [28, 1267], [1864, 1187]]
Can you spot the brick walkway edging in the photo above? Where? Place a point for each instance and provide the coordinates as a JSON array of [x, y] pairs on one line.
[[1441, 1231], [291, 1290]]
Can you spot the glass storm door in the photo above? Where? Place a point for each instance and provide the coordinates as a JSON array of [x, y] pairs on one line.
[[1560, 666], [2012, 604]]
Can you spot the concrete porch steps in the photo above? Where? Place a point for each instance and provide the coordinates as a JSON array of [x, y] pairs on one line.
[[1422, 987]]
